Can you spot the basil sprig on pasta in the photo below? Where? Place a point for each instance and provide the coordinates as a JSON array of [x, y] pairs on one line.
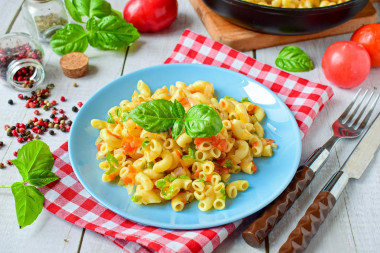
[[159, 115]]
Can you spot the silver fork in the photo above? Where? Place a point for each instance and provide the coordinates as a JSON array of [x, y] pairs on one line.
[[346, 126]]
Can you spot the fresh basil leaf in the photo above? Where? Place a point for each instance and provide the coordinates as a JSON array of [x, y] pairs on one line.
[[111, 32], [202, 121], [71, 38], [292, 58], [28, 201], [34, 155], [154, 116], [177, 129], [41, 177], [93, 8], [178, 109], [74, 13]]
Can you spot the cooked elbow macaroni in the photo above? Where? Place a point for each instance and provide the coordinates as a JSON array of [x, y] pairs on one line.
[[297, 3], [156, 168]]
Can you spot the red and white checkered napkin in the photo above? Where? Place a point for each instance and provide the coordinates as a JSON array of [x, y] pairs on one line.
[[69, 200]]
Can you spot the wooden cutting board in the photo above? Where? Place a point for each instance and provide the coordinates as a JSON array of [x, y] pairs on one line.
[[244, 40]]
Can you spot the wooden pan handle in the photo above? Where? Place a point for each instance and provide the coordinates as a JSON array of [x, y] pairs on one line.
[[255, 234], [309, 224]]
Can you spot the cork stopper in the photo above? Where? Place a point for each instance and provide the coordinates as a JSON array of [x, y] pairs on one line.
[[74, 65]]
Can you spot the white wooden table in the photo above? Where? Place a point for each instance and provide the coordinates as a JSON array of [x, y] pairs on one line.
[[353, 225]]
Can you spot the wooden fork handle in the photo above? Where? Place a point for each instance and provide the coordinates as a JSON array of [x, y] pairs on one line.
[[309, 224], [255, 234]]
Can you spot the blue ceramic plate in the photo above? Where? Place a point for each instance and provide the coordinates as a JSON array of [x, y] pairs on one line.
[[273, 174]]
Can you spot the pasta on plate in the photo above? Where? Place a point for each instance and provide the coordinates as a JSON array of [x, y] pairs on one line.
[[190, 154]]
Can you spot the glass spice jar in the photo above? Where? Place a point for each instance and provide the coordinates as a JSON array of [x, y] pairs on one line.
[[21, 61], [44, 17]]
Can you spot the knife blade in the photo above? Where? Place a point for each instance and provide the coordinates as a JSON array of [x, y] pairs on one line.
[[317, 212]]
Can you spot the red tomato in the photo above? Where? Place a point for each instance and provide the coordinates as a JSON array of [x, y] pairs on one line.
[[346, 64], [369, 37], [151, 15]]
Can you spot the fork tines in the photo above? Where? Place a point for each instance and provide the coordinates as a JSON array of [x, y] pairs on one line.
[[351, 118]]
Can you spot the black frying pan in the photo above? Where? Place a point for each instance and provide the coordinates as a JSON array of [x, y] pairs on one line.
[[285, 21]]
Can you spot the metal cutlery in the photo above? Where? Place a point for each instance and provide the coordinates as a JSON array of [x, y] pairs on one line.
[[347, 125], [317, 212]]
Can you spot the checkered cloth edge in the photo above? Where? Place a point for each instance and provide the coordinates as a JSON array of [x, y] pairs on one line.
[[304, 98], [69, 200]]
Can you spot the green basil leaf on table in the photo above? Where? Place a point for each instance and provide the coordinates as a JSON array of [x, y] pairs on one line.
[[155, 116], [71, 38], [28, 201], [177, 129], [33, 156], [111, 32], [93, 8], [202, 121], [74, 13], [293, 59], [42, 177], [178, 109]]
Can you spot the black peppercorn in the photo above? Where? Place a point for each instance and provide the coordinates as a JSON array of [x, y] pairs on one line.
[[10, 101], [1, 144], [51, 132], [69, 122], [75, 109]]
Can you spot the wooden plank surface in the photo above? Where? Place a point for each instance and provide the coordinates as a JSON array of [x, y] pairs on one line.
[[243, 39]]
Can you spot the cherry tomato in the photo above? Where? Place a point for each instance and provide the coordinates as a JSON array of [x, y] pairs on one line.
[[346, 64], [369, 37], [151, 15]]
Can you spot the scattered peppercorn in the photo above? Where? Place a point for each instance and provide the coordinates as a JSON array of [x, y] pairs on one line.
[[51, 132], [1, 144], [60, 111], [20, 96], [2, 166], [75, 109], [80, 104], [69, 122], [37, 112], [50, 86], [15, 153], [75, 84], [63, 129], [10, 101], [9, 162], [63, 99]]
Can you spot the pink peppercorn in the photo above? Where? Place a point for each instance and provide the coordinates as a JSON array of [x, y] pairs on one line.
[[80, 104], [35, 119], [54, 112], [20, 139], [14, 133], [22, 125], [68, 128], [63, 99], [15, 153], [60, 111], [37, 112], [21, 130], [53, 102], [28, 140], [9, 162], [20, 96]]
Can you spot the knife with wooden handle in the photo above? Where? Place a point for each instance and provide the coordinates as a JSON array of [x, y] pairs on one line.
[[255, 234], [354, 167]]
